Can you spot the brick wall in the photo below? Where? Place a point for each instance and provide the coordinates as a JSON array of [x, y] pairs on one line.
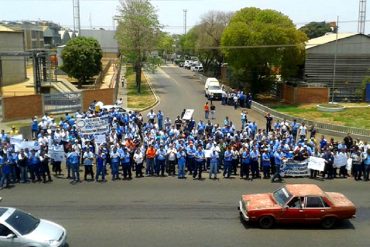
[[289, 94], [312, 95], [305, 95], [22, 107], [104, 95]]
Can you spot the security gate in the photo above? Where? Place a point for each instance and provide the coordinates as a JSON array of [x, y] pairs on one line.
[[62, 102]]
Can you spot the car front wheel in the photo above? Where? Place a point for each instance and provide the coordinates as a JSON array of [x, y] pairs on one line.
[[266, 222], [328, 223]]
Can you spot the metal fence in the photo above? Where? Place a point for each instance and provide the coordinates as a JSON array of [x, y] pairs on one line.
[[324, 126], [62, 102]]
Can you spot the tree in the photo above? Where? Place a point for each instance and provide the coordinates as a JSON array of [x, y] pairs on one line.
[[137, 33], [317, 29], [82, 59], [166, 44], [210, 33], [256, 42]]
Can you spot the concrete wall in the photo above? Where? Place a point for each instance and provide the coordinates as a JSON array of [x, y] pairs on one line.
[[13, 67], [106, 39], [305, 95], [22, 107], [104, 95]]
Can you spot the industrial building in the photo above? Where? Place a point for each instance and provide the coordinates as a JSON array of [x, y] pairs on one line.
[[340, 62], [106, 40], [12, 68]]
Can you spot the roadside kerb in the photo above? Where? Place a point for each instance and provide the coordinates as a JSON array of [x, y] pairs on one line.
[[157, 100]]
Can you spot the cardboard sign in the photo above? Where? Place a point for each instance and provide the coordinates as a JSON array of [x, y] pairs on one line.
[[315, 163], [100, 139], [57, 153], [188, 114]]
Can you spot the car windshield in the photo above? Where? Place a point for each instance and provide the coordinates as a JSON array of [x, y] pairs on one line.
[[22, 222], [281, 196], [214, 88]]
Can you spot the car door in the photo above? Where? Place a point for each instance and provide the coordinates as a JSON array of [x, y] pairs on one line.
[[293, 211], [6, 240], [314, 208]]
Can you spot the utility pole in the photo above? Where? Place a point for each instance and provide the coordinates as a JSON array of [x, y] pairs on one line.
[[76, 16], [185, 20], [361, 17], [335, 61]]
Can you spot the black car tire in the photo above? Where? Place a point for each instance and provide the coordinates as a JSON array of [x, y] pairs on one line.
[[266, 222], [328, 222]]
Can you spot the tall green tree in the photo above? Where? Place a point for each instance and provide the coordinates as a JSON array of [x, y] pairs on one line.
[[82, 59], [317, 29], [137, 32], [210, 32], [166, 44], [257, 41]]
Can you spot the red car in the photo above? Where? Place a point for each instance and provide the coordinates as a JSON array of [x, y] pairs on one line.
[[296, 203]]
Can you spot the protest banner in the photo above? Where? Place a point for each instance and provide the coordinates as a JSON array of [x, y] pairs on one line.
[[349, 164], [100, 139], [57, 153], [93, 126], [292, 168], [188, 114], [340, 160], [315, 163], [21, 144]]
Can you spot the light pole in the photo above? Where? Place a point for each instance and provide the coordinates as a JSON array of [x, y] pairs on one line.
[[335, 61]]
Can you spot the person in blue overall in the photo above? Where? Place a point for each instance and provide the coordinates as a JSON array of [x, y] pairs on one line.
[[213, 169], [34, 127], [160, 120], [74, 158], [181, 161], [4, 172], [254, 165], [126, 163], [246, 163], [160, 163], [228, 156], [34, 166], [279, 158], [199, 162], [115, 160], [266, 164], [190, 153], [366, 160], [100, 165]]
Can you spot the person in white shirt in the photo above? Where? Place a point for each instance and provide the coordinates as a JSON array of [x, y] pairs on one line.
[[171, 156], [302, 131], [138, 159]]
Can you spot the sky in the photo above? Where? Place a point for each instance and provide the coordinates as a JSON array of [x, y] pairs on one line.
[[99, 13]]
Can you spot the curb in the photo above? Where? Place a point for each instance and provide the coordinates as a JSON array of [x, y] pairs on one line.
[[157, 100]]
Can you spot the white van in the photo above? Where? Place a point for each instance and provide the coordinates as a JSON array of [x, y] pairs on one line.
[[212, 89]]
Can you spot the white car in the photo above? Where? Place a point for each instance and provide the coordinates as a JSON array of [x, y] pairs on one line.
[[19, 229]]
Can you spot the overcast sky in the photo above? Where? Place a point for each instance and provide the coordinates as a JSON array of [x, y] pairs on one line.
[[98, 13]]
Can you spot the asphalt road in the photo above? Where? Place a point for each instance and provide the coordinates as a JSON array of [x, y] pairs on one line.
[[180, 89], [171, 212]]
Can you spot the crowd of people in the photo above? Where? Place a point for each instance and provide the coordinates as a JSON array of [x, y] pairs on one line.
[[138, 145]]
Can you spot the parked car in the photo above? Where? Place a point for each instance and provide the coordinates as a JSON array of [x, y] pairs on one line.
[[187, 64], [18, 228], [296, 203]]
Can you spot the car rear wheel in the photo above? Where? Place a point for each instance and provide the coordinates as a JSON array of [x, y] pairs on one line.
[[266, 222], [328, 222]]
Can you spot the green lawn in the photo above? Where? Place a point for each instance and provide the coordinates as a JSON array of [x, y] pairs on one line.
[[352, 117], [134, 99]]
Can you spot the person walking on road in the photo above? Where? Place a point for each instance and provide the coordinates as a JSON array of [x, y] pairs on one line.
[[213, 164], [206, 110], [88, 164]]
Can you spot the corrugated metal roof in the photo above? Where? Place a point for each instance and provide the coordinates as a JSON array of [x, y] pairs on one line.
[[5, 29], [327, 38]]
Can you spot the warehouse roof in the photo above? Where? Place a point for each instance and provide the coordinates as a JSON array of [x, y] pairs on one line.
[[327, 38], [6, 29]]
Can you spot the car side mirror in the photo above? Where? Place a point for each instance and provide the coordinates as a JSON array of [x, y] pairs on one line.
[[10, 236]]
